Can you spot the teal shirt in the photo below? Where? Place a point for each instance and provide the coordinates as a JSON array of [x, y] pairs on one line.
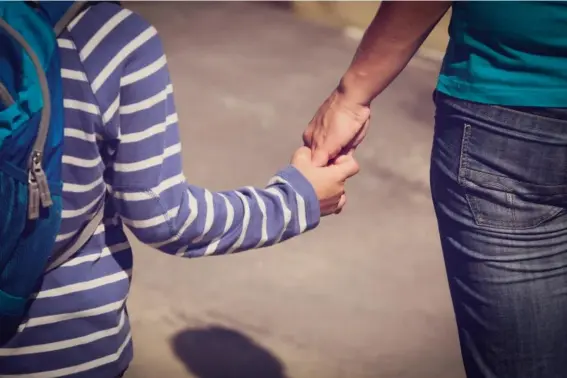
[[507, 53]]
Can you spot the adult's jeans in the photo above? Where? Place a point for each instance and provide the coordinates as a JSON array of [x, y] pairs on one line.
[[499, 187]]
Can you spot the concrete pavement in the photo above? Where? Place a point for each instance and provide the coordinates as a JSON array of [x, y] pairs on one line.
[[363, 296]]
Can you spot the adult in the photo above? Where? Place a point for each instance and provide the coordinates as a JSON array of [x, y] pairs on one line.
[[498, 167]]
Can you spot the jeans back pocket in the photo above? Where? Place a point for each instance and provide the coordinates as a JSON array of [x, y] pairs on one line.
[[511, 179], [495, 202]]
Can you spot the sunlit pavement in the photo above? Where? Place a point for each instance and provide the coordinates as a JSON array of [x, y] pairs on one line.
[[364, 295]]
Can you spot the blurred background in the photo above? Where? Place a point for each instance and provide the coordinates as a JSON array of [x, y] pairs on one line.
[[364, 295]]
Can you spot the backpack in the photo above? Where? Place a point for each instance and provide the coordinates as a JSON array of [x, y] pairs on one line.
[[31, 151]]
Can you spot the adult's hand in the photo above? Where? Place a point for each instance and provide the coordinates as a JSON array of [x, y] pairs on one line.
[[338, 126], [394, 35]]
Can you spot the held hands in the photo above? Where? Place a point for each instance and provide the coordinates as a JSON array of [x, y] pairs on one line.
[[327, 180], [333, 134], [338, 127], [327, 161]]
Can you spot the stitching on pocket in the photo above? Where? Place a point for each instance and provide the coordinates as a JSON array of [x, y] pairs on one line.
[[513, 224], [463, 156], [548, 211]]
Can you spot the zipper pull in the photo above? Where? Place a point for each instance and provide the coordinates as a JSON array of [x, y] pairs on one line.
[[41, 180], [33, 197]]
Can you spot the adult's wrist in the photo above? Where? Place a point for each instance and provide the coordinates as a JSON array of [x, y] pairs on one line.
[[352, 90]]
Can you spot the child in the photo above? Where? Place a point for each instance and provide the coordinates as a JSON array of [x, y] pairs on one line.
[[122, 150]]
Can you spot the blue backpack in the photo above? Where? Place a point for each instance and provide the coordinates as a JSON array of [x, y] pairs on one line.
[[31, 151]]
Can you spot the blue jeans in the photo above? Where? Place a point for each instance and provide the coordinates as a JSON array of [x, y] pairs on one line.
[[499, 187]]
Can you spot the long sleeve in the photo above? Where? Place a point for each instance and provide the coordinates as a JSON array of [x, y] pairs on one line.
[[152, 196]]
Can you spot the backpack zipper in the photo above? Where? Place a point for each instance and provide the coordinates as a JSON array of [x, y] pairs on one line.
[[38, 186]]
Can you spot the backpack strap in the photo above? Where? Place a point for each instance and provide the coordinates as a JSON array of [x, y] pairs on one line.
[[5, 96], [59, 257], [68, 16], [61, 13]]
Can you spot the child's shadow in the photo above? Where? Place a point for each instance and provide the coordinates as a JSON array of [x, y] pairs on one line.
[[218, 352]]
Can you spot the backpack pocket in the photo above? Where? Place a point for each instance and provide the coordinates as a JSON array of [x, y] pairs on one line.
[[26, 244]]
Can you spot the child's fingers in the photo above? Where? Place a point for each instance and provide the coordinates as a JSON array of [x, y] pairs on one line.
[[346, 166], [343, 158], [302, 156], [340, 159], [320, 157]]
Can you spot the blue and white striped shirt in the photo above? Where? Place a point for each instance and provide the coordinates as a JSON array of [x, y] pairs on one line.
[[122, 147]]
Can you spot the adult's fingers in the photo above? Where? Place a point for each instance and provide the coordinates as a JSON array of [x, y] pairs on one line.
[[328, 147], [341, 204], [337, 124], [329, 205], [357, 139], [308, 136], [362, 133], [317, 140]]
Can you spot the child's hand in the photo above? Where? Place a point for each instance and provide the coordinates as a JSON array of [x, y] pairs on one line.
[[329, 181]]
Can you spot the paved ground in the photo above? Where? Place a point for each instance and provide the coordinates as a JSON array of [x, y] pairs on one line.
[[365, 294]]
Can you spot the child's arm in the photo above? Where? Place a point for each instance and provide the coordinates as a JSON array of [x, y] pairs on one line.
[[150, 192]]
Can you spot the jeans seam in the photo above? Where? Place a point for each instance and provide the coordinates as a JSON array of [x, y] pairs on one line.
[[529, 114], [482, 111]]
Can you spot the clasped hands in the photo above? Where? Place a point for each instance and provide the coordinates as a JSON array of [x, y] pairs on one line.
[[326, 159]]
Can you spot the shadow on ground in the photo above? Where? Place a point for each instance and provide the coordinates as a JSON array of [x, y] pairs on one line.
[[219, 352]]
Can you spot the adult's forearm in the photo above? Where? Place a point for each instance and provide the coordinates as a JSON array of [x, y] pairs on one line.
[[396, 33]]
